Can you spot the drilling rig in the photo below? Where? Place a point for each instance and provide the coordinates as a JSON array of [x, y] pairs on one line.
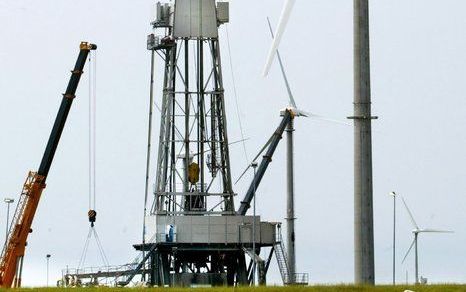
[[193, 234]]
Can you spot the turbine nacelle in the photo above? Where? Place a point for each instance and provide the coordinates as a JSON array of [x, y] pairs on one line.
[[296, 112]]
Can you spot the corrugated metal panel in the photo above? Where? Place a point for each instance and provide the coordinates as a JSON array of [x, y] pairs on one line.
[[223, 12], [195, 18], [210, 229], [267, 231]]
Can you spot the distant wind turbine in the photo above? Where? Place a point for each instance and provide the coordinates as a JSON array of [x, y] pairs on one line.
[[416, 231]]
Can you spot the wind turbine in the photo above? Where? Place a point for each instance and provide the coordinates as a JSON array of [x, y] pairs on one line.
[[295, 112], [416, 231]]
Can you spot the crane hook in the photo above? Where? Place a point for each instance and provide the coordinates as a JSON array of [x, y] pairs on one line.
[[92, 214]]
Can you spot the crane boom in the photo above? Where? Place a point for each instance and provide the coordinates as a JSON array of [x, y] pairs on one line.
[[266, 159], [11, 259]]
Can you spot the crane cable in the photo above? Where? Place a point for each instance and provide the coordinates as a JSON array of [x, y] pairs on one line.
[[235, 92], [92, 214], [92, 132], [149, 145]]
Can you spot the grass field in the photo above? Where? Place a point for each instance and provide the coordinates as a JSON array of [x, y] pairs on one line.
[[427, 288]]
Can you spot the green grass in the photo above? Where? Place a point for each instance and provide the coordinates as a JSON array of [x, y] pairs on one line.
[[343, 288]]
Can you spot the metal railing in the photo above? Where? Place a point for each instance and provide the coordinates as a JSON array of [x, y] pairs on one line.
[[301, 279], [282, 260], [107, 275]]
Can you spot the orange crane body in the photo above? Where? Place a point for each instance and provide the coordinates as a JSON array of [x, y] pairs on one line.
[[11, 259]]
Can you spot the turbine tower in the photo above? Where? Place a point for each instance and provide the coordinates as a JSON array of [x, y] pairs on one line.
[[416, 231], [290, 202], [363, 202]]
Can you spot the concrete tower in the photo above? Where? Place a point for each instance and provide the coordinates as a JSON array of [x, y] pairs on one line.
[[363, 209]]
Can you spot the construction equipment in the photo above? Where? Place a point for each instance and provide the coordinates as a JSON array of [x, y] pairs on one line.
[[192, 233], [11, 260], [266, 159]]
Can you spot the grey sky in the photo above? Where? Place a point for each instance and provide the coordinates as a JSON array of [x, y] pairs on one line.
[[418, 66]]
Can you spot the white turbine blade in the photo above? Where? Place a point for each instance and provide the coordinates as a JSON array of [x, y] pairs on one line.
[[410, 214], [288, 88], [435, 231], [322, 118], [285, 16], [409, 250], [282, 67], [305, 114], [255, 158]]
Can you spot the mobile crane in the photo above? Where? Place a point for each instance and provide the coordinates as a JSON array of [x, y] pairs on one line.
[[11, 260]]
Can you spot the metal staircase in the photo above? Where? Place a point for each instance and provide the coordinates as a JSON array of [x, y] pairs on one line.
[[282, 261], [138, 268]]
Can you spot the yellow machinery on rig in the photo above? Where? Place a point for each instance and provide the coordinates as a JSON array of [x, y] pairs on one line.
[[11, 260]]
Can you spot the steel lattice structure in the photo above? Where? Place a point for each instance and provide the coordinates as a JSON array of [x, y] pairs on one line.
[[193, 132]]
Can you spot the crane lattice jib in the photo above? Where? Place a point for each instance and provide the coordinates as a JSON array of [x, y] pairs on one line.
[[13, 251]]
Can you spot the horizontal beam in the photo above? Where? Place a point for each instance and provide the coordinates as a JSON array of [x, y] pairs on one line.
[[193, 194]]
